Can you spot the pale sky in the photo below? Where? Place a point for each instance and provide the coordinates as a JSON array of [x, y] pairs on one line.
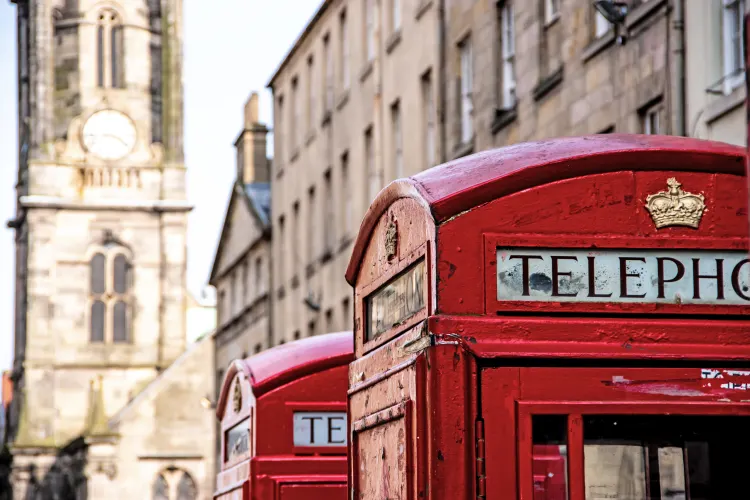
[[229, 52]]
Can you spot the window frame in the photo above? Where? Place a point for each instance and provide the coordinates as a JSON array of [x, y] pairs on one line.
[[551, 11], [508, 82], [466, 87], [109, 296], [110, 49], [732, 49], [344, 51]]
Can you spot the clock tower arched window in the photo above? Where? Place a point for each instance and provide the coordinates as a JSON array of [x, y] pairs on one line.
[[111, 282], [109, 50]]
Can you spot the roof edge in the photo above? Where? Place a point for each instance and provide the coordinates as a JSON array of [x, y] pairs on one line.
[[300, 39], [396, 190]]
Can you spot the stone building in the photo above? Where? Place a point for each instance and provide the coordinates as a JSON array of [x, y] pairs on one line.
[[715, 70], [106, 395], [378, 89], [520, 71], [353, 109], [240, 272]]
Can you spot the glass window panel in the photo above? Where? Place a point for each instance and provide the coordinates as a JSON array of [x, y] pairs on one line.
[[160, 488], [100, 56], [97, 274], [116, 56], [550, 456], [186, 489], [120, 322], [121, 274], [97, 321]]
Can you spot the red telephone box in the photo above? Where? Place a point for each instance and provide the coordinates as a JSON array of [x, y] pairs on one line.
[[565, 319], [283, 422]]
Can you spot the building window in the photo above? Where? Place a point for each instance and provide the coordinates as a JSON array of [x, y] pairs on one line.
[[344, 45], [329, 321], [551, 10], [466, 106], [395, 15], [257, 348], [329, 215], [295, 236], [428, 117], [245, 283], [601, 25], [734, 57], [346, 192], [296, 110], [328, 76], [651, 119], [310, 94], [235, 297], [110, 283], [297, 335], [508, 45], [279, 122], [311, 225], [259, 289], [398, 154], [373, 176], [109, 50], [312, 328], [348, 320], [174, 484], [282, 255], [220, 305], [369, 30]]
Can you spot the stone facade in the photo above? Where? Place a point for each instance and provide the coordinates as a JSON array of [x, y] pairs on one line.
[[349, 100], [240, 272], [715, 84], [100, 246]]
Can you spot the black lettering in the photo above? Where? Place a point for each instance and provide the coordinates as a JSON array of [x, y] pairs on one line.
[[660, 273], [556, 276], [525, 269], [331, 429], [592, 280], [736, 279], [719, 277], [624, 275], [312, 426]]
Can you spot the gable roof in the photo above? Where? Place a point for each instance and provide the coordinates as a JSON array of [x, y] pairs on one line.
[[257, 196], [152, 388]]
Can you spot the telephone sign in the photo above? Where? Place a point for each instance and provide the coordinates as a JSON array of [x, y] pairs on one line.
[[582, 275], [320, 428]]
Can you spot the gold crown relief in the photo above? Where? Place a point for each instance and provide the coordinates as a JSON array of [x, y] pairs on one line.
[[675, 207]]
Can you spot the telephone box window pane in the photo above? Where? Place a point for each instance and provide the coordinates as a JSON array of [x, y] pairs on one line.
[[550, 456], [396, 301], [633, 457], [97, 321], [237, 440]]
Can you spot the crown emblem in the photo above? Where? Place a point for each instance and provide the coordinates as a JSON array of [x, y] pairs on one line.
[[675, 207], [391, 238], [237, 397]]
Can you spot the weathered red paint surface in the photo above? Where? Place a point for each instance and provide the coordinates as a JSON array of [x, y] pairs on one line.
[[463, 398], [747, 88], [260, 395]]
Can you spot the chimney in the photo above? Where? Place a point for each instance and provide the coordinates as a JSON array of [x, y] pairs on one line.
[[252, 163]]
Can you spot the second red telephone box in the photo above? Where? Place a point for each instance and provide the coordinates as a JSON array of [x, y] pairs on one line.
[[283, 422]]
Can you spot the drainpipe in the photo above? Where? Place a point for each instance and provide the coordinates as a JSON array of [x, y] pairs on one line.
[[678, 96], [442, 81]]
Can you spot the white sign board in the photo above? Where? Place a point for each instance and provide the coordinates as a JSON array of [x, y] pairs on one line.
[[646, 276], [320, 428]]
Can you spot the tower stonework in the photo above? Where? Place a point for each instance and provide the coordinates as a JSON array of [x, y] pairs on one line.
[[100, 230]]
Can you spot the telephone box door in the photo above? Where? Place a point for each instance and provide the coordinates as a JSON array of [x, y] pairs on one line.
[[613, 433]]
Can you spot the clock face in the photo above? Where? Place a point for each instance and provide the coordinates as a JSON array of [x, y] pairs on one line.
[[109, 134]]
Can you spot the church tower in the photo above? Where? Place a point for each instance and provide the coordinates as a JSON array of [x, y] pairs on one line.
[[101, 217]]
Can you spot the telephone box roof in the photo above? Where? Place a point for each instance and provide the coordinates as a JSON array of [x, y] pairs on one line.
[[454, 187], [284, 363]]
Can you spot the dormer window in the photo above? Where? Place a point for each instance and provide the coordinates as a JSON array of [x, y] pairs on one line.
[[109, 43]]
